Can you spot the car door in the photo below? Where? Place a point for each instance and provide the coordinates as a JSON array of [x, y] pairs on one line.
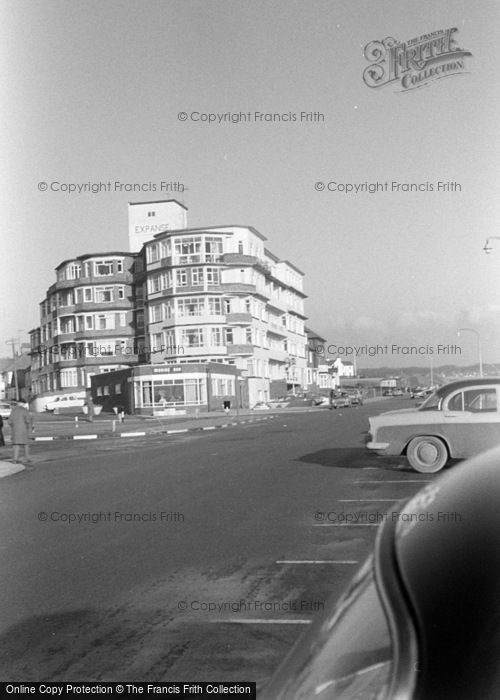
[[471, 420]]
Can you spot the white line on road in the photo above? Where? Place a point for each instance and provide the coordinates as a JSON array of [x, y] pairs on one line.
[[257, 621], [317, 561], [346, 524], [397, 481], [367, 500], [171, 432], [209, 427], [43, 439], [85, 437], [131, 434]]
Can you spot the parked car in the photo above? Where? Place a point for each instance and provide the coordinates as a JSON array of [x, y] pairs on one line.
[[356, 398], [344, 401], [397, 392], [67, 401], [456, 421], [5, 410], [421, 619]]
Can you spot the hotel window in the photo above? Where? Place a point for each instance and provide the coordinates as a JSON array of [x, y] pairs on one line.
[[214, 306], [216, 336], [154, 284], [69, 378], [119, 265], [187, 250], [166, 280], [229, 336], [181, 277], [103, 268], [104, 294], [213, 249], [121, 292], [248, 306], [190, 307], [105, 322], [89, 323], [213, 276], [139, 320], [151, 213], [122, 318], [156, 342], [248, 335], [192, 337], [118, 388], [167, 310], [153, 253], [155, 313], [83, 294], [197, 276], [73, 271], [170, 340]]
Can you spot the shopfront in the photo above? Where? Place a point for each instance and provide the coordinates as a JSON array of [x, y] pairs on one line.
[[173, 389]]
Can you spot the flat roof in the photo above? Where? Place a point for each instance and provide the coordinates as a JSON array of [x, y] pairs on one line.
[[159, 201], [96, 255]]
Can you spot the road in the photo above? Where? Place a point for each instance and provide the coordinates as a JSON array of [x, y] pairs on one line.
[[189, 557]]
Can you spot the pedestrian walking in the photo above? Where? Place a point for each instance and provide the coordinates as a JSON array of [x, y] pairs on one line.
[[2, 441], [90, 407], [21, 425], [332, 402]]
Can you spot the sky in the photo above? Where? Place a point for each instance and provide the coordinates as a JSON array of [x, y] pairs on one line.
[[92, 92]]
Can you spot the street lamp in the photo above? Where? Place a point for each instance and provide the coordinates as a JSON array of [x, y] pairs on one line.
[[472, 330], [487, 247]]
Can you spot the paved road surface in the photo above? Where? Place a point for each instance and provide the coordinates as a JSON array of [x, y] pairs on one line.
[[209, 554]]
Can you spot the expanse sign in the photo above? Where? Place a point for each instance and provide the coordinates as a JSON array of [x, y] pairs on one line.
[[415, 62]]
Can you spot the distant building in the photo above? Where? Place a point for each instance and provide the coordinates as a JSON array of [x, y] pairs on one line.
[[344, 368]]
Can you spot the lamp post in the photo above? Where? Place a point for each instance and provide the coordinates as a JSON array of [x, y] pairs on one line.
[[487, 247], [479, 349], [12, 342]]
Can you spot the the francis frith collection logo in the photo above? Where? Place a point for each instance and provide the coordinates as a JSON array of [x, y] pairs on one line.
[[414, 63]]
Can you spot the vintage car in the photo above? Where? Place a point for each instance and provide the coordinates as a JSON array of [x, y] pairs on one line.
[[421, 619], [5, 409], [456, 421], [62, 402]]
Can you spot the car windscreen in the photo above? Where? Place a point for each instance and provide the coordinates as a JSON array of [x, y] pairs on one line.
[[432, 402]]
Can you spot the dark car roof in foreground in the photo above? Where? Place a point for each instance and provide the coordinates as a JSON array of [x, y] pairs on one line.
[[464, 383], [449, 560]]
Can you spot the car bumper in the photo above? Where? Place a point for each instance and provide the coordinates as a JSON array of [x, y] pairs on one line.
[[377, 446]]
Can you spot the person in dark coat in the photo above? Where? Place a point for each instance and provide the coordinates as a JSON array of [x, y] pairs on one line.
[[21, 425], [2, 441]]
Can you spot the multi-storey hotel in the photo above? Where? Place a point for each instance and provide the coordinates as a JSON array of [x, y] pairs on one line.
[[210, 311], [88, 323]]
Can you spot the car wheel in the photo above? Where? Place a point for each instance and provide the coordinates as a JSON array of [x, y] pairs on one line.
[[427, 454]]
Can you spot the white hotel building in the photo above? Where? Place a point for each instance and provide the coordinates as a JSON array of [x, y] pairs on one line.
[[218, 295], [220, 313]]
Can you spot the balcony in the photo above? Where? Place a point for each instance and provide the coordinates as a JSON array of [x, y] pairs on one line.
[[91, 361], [238, 319], [125, 277], [238, 288], [239, 349]]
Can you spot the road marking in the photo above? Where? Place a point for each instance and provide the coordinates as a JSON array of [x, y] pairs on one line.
[[131, 434], [260, 621], [367, 500], [209, 427], [43, 439], [183, 430], [397, 481], [317, 561], [85, 437], [346, 524]]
